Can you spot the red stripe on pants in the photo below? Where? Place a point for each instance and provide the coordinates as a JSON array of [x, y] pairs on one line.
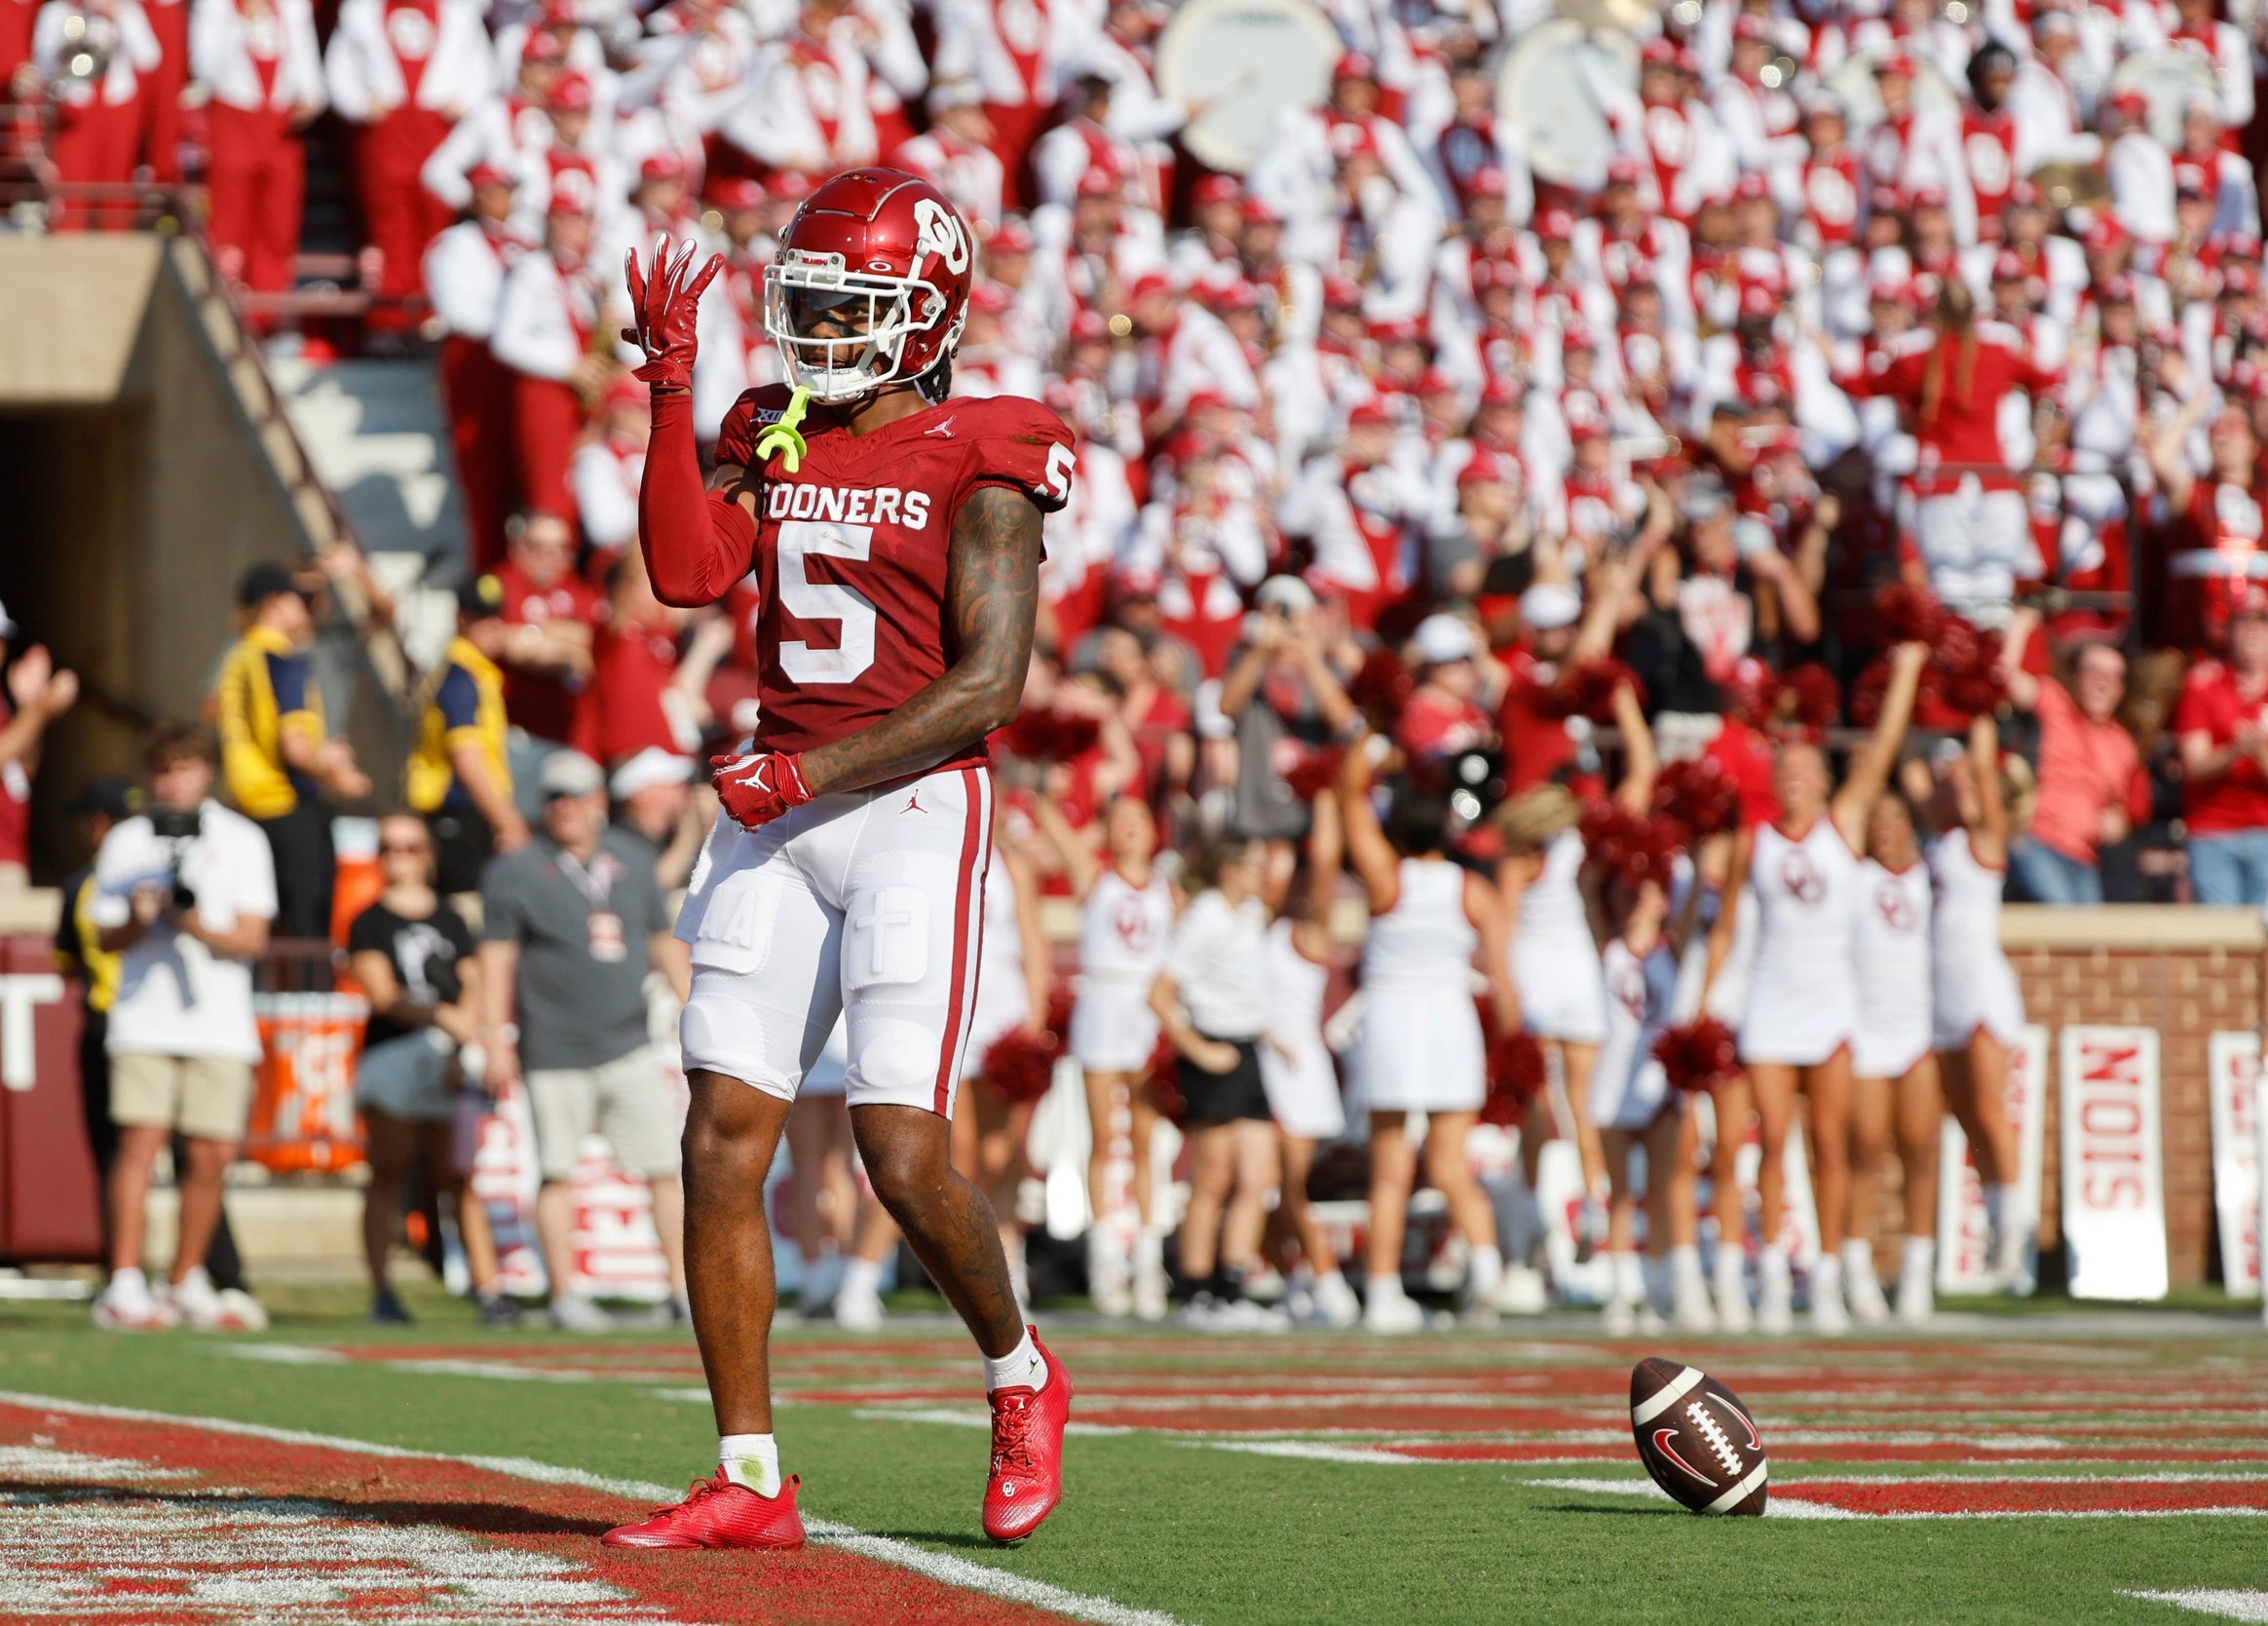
[[160, 91], [967, 903], [547, 417], [477, 389], [94, 144]]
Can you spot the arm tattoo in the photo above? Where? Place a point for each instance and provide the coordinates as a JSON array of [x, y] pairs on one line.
[[992, 596]]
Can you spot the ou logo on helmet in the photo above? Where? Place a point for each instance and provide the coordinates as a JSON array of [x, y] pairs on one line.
[[938, 231]]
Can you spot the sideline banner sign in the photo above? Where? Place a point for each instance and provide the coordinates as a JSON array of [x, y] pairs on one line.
[[2232, 1068], [2114, 1187]]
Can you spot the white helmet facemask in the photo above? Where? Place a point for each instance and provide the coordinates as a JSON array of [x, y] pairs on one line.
[[869, 316]]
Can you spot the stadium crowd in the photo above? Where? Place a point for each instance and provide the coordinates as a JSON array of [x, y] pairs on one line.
[[1866, 322]]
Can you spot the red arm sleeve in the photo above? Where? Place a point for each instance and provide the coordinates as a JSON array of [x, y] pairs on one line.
[[697, 543]]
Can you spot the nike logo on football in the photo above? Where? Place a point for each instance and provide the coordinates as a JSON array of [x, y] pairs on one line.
[[945, 428]]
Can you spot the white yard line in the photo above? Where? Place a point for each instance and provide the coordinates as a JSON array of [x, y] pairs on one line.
[[1784, 1506], [904, 1555], [2224, 1605]]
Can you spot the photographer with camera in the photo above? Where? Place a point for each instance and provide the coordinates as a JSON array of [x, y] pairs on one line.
[[185, 893]]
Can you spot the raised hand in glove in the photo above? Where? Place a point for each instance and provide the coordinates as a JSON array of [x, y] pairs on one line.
[[758, 786], [666, 307]]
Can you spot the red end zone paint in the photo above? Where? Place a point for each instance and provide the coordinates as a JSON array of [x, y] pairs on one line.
[[233, 1482]]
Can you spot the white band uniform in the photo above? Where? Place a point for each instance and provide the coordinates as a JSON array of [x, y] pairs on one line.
[[868, 905]]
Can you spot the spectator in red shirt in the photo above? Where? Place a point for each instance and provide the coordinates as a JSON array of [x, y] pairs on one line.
[[554, 614], [1443, 718], [2091, 788], [2221, 721], [643, 695]]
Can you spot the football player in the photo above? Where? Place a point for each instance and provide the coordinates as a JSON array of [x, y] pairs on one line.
[[893, 538]]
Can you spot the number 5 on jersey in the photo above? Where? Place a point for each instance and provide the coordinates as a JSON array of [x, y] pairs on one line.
[[823, 601]]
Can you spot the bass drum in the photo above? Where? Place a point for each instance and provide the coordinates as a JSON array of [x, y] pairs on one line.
[[1853, 80], [1542, 94], [1244, 59], [2169, 77]]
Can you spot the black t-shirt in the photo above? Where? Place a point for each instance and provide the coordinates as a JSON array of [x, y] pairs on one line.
[[424, 954]]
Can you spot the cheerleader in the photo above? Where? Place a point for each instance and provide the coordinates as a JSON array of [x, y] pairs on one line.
[[1422, 1048], [1634, 1107], [1211, 1001], [1895, 1097], [1556, 973], [1126, 921], [1294, 1066], [1012, 985], [1801, 875], [1978, 1011]]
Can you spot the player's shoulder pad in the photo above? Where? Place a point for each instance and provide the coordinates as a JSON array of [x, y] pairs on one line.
[[754, 412], [1018, 443]]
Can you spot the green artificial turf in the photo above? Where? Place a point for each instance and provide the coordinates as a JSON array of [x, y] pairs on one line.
[[1172, 1523]]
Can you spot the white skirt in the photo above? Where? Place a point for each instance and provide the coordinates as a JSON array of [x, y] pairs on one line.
[[1421, 1051], [1976, 990], [1632, 1100], [1302, 1088], [1112, 1029], [1799, 1025], [1887, 1049], [1562, 993]]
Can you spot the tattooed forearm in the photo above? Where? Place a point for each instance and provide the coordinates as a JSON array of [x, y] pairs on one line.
[[992, 595]]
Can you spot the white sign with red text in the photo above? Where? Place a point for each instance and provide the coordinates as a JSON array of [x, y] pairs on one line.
[[2114, 1187], [2233, 1069], [1964, 1247]]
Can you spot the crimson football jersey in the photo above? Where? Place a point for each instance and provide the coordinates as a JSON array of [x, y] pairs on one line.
[[852, 552]]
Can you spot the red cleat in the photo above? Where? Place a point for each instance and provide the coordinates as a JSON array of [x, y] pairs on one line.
[[1027, 1455], [719, 1513]]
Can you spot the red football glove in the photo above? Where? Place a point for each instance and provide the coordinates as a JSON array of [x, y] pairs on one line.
[[759, 786], [666, 307]]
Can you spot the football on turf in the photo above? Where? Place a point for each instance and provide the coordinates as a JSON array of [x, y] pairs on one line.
[[1696, 1439]]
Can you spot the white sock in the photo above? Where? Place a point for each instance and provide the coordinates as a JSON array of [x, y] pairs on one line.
[[1995, 1205], [1772, 1261], [1655, 1270], [1022, 1367], [1629, 1278], [1731, 1266], [130, 1282], [750, 1459], [861, 1279], [1149, 1248], [1485, 1269], [1918, 1260], [1330, 1278], [1686, 1271], [1827, 1277], [1857, 1257], [1380, 1290]]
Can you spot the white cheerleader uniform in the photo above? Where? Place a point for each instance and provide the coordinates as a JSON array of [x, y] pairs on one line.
[[1629, 1087], [1122, 943], [1892, 936], [1975, 985], [1802, 1003], [1003, 1001], [1422, 1048], [1555, 963], [1302, 1088]]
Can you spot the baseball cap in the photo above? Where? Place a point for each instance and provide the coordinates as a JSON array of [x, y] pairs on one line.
[[1549, 605], [663, 165], [1217, 189], [480, 597], [1441, 638], [571, 94], [650, 767], [485, 173], [264, 581], [735, 192], [1285, 592], [570, 774]]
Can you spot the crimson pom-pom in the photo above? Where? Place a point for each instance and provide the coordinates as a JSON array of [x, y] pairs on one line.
[[1627, 846], [1967, 671], [1909, 614], [1817, 699], [1381, 689], [1316, 773], [1516, 1077], [1752, 691], [1020, 1065], [1165, 1082], [1698, 796], [1869, 690], [1588, 690], [1048, 734], [1699, 1055]]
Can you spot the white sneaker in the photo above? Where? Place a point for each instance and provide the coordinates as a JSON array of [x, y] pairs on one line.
[[859, 1309], [1266, 1285], [1732, 1300], [1619, 1318], [1693, 1312], [2012, 1269], [574, 1313], [1334, 1302], [1107, 1277], [1652, 1321], [1398, 1314], [1775, 1302], [1522, 1292], [1863, 1292], [1916, 1302], [1828, 1317], [135, 1309], [244, 1310], [199, 1306], [1149, 1291]]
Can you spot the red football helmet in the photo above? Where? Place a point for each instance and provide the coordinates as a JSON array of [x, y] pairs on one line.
[[871, 285]]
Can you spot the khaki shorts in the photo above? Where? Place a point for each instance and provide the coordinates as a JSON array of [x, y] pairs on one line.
[[623, 1100], [207, 1097]]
